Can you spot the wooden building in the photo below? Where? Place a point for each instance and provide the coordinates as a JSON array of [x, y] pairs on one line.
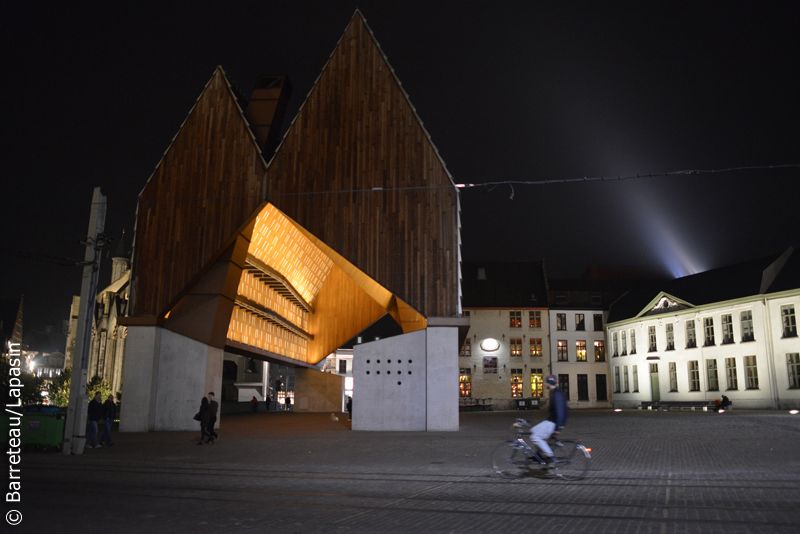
[[285, 253]]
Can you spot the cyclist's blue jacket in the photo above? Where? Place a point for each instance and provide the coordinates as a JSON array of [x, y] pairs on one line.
[[558, 409]]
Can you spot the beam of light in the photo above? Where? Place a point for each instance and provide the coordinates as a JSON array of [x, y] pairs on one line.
[[661, 234], [793, 412]]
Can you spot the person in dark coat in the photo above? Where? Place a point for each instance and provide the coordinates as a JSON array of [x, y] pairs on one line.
[[213, 408], [350, 407], [205, 415], [254, 402], [267, 401], [109, 415], [94, 414], [555, 421]]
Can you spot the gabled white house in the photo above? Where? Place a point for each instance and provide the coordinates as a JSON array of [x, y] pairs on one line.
[[730, 331]]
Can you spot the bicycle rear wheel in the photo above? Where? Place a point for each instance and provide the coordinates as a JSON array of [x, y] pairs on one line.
[[572, 461], [509, 460]]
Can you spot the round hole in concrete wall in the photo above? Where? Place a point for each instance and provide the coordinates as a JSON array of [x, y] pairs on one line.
[[378, 361], [367, 361], [398, 372], [378, 372], [409, 372], [367, 372], [409, 361], [399, 383], [388, 361]]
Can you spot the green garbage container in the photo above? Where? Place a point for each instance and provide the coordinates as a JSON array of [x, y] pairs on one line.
[[522, 404], [43, 428], [533, 403]]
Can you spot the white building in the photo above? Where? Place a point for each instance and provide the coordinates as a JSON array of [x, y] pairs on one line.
[[578, 344], [506, 353], [730, 331]]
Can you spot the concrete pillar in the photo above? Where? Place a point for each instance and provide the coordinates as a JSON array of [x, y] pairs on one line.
[[165, 376]]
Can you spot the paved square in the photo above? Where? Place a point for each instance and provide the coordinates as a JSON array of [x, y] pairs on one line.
[[659, 472]]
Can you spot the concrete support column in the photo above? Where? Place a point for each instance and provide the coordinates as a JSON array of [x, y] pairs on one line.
[[165, 376]]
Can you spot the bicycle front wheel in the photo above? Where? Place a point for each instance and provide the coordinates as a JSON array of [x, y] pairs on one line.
[[509, 460], [572, 461]]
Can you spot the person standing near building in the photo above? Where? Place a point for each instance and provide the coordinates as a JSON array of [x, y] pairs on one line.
[[555, 421], [350, 407], [213, 407], [109, 415], [254, 402], [94, 414]]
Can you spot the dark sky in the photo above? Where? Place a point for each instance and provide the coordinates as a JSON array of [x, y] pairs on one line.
[[93, 93]]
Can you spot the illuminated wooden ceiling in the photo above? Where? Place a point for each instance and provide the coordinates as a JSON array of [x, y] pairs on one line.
[[299, 299]]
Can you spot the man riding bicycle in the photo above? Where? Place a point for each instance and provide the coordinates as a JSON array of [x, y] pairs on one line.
[[554, 422]]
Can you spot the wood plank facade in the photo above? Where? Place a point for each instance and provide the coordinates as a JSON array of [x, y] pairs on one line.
[[314, 265], [358, 131]]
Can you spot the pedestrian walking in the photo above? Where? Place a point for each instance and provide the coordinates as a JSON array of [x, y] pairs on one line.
[[109, 416], [213, 408], [350, 408], [267, 401], [204, 415], [94, 414], [254, 401]]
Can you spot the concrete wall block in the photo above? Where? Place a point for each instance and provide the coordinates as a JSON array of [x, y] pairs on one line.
[[442, 379], [390, 384], [138, 371], [316, 391]]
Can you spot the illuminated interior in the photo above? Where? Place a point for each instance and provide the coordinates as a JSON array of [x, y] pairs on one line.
[[300, 299]]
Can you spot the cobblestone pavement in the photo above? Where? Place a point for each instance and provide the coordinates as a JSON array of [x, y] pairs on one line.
[[659, 472]]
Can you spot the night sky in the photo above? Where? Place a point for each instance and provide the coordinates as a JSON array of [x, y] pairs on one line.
[[93, 94]]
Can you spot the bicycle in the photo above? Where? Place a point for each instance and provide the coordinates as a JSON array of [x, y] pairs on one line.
[[511, 459]]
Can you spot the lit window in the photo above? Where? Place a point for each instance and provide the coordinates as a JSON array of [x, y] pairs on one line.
[[515, 319], [536, 347], [580, 323], [580, 349], [633, 341], [562, 350], [535, 319], [599, 351], [465, 382], [466, 349], [537, 383], [561, 321], [624, 343], [615, 342], [516, 383], [751, 372], [516, 347]]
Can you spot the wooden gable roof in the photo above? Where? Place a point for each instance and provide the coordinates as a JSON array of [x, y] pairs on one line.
[[359, 172], [210, 181]]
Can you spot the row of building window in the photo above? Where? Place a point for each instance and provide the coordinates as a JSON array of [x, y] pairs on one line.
[[709, 337], [712, 374], [536, 378], [515, 347], [580, 322], [535, 320], [580, 351]]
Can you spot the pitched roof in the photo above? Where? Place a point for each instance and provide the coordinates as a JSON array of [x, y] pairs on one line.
[[717, 285], [501, 284]]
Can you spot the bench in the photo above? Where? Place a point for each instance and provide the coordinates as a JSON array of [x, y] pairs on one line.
[[467, 404], [705, 405]]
